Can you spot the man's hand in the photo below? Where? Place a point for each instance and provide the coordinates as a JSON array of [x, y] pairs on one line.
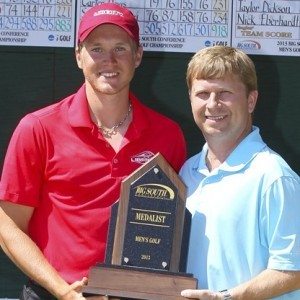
[[75, 291], [98, 298], [202, 294]]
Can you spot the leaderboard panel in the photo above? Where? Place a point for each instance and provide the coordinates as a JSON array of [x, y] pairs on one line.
[[269, 27]]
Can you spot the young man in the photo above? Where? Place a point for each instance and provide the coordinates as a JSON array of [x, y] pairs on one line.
[[65, 162], [244, 198]]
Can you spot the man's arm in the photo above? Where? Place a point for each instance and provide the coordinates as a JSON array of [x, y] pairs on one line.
[[268, 284], [27, 256]]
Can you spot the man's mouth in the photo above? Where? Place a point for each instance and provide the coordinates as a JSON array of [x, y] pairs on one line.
[[108, 74], [215, 118]]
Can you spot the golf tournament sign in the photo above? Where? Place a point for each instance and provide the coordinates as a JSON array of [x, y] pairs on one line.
[[144, 251]]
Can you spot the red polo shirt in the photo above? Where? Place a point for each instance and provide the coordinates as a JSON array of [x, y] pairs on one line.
[[59, 163]]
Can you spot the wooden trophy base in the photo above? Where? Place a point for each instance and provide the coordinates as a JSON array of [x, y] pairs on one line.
[[135, 283]]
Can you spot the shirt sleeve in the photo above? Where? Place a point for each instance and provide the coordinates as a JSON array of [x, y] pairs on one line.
[[22, 173], [280, 222]]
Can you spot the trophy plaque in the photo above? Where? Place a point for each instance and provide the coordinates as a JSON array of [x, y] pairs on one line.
[[148, 225]]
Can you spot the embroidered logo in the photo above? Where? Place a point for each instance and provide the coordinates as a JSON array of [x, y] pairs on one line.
[[108, 12], [142, 157]]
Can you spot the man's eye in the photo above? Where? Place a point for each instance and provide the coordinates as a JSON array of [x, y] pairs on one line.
[[119, 49], [96, 50], [203, 95], [224, 94]]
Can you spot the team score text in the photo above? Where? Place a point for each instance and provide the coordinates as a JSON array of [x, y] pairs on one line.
[[145, 257]]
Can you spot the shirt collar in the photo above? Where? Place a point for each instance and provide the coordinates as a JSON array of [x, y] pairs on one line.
[[249, 147], [79, 115], [140, 120], [239, 157]]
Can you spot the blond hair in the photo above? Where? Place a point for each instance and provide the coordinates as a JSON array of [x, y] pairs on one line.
[[218, 61]]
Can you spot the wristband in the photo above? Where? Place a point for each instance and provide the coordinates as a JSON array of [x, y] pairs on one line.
[[226, 295]]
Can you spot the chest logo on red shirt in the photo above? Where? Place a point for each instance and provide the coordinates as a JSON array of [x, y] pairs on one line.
[[142, 157]]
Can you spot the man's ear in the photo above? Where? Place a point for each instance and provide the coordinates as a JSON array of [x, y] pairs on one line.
[[78, 56], [139, 56], [252, 100]]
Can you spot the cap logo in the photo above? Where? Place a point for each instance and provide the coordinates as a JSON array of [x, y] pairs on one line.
[[108, 12]]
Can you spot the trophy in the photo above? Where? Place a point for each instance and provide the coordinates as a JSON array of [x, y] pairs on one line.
[[147, 239]]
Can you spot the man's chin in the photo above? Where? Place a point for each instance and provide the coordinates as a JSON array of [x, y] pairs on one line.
[[106, 89]]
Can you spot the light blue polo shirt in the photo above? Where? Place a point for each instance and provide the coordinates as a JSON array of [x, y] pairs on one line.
[[245, 216]]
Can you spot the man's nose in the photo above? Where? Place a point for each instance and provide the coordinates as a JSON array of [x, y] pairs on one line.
[[109, 56], [213, 100]]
